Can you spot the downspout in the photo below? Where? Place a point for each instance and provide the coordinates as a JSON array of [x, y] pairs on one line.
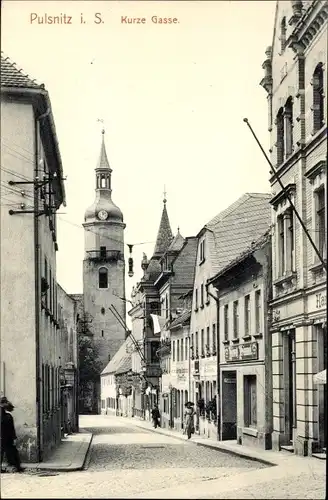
[[37, 282], [218, 377]]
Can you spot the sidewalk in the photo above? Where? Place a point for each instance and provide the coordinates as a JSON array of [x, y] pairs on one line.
[[267, 457], [69, 456]]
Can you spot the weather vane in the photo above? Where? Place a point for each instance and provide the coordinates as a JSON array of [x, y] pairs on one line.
[[164, 193], [103, 124]]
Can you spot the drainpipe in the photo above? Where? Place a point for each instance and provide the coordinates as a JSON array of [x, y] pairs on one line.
[[218, 377]]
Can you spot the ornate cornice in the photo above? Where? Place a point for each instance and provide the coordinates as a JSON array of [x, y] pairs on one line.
[[308, 27], [277, 199]]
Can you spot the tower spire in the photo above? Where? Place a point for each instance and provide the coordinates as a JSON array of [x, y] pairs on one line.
[[103, 160], [164, 235]]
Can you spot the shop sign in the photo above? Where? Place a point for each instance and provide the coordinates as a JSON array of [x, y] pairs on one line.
[[320, 300], [243, 352]]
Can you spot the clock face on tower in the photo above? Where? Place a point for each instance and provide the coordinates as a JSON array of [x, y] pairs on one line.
[[102, 214]]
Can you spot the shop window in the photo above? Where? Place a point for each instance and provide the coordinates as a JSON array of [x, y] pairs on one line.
[[250, 401]]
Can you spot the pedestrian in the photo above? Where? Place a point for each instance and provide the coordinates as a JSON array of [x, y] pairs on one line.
[[8, 436], [156, 416], [189, 419]]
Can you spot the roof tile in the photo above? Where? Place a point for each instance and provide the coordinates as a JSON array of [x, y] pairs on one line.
[[12, 76]]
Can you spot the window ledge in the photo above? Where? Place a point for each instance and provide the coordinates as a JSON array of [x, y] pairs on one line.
[[258, 335], [226, 342], [246, 337], [249, 431], [285, 280], [235, 341], [317, 267]]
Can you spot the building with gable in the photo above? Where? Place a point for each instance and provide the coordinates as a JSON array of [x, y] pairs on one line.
[[295, 80], [244, 289], [146, 302], [174, 284], [220, 241], [116, 383], [104, 268], [35, 350]]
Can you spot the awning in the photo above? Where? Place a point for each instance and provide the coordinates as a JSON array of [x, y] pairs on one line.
[[320, 378]]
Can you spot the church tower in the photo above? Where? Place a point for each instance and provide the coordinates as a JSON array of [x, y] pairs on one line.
[[103, 265]]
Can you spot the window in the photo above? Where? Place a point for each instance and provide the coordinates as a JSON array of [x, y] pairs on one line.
[[226, 322], [154, 346], [202, 343], [214, 338], [196, 299], [235, 319], [173, 350], [196, 345], [258, 311], [207, 295], [320, 221], [201, 295], [103, 252], [192, 346], [202, 252], [186, 348], [281, 245], [290, 241], [181, 347], [102, 310], [289, 126], [247, 314], [283, 35], [318, 98], [102, 333], [102, 181], [178, 350], [50, 290], [166, 306], [103, 277], [280, 137], [250, 401], [208, 341]]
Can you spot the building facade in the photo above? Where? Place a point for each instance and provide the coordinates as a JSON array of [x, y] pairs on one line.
[[146, 305], [104, 268], [32, 191], [174, 284], [220, 241], [296, 84], [68, 372], [245, 381]]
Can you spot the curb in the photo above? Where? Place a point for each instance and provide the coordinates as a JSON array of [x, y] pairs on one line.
[[58, 468], [240, 453]]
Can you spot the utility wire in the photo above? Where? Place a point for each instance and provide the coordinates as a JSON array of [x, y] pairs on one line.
[[276, 176]]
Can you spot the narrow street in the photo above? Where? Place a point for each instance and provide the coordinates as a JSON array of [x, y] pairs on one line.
[[127, 461]]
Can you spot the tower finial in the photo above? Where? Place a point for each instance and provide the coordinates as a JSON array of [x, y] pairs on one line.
[[164, 193]]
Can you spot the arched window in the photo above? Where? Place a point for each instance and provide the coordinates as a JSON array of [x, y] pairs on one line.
[[318, 98], [280, 137], [103, 277], [103, 181], [283, 34], [289, 126]]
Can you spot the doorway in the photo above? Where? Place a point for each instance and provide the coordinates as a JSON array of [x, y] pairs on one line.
[[322, 388], [229, 408]]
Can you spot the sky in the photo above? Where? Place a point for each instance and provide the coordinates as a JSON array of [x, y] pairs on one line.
[[172, 98]]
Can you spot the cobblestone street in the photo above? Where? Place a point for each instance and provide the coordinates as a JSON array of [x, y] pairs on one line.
[[126, 461]]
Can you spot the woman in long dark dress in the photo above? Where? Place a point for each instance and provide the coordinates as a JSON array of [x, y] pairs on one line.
[[189, 419], [8, 436]]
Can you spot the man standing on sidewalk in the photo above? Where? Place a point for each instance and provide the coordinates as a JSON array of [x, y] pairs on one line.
[[8, 436]]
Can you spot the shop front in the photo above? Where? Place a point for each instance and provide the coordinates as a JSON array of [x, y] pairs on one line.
[[207, 395], [299, 355]]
